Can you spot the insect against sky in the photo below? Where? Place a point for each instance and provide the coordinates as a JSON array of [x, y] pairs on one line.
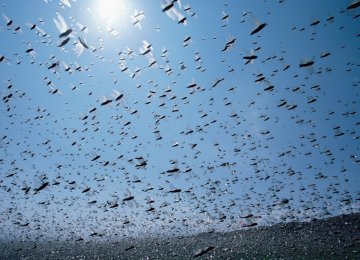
[[120, 117]]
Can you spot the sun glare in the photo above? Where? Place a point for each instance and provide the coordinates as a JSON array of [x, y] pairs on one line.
[[111, 10]]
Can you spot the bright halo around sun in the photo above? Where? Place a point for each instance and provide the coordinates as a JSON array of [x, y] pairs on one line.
[[112, 11]]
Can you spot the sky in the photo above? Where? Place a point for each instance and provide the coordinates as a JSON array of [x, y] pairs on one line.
[[139, 118]]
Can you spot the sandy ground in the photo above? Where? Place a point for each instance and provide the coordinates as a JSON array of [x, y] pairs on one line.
[[333, 238]]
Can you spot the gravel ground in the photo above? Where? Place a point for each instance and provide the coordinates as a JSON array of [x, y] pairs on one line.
[[333, 238]]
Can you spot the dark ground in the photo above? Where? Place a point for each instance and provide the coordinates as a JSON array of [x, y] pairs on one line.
[[333, 238]]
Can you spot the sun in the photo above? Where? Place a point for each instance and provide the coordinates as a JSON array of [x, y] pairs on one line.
[[111, 11]]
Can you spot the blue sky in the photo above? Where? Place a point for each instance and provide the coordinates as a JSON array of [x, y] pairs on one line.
[[234, 148]]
